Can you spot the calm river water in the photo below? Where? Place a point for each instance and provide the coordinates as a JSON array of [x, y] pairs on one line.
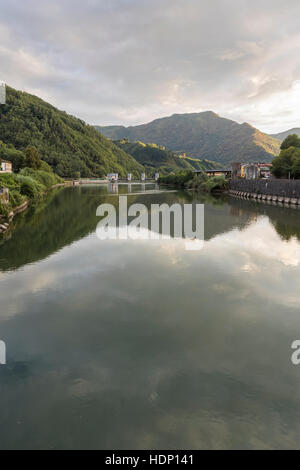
[[144, 345]]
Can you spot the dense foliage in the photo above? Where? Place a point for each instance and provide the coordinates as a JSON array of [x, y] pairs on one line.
[[190, 180], [287, 164], [27, 184], [153, 157], [157, 158], [202, 135], [10, 153], [179, 179], [204, 164], [69, 145], [207, 184]]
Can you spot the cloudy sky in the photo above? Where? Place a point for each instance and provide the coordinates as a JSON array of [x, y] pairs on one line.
[[131, 61]]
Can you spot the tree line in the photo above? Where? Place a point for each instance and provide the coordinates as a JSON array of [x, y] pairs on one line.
[[287, 164]]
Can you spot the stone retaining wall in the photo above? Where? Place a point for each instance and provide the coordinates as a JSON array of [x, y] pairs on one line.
[[272, 187], [280, 191]]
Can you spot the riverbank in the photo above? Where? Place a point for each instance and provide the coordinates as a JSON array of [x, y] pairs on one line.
[[192, 181], [5, 220], [23, 188], [278, 191], [264, 197]]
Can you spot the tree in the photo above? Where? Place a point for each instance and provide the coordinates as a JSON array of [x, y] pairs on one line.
[[33, 158], [291, 140], [295, 172], [16, 157], [287, 163], [60, 138], [282, 165]]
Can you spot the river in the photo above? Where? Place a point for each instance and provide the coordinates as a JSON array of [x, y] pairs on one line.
[[138, 344]]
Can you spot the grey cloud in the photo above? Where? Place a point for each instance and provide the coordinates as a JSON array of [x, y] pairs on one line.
[[129, 61]]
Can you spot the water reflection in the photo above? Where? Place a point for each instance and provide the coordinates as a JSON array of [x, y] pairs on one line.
[[113, 188], [133, 345], [70, 214]]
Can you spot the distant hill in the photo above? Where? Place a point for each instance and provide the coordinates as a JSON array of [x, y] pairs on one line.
[[282, 135], [158, 158], [68, 144], [202, 135]]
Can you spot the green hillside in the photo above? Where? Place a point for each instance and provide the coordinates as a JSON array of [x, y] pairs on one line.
[[153, 157], [202, 135], [205, 164], [157, 158], [69, 145]]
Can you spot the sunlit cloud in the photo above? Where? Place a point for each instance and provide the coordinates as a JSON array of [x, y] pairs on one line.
[[128, 61]]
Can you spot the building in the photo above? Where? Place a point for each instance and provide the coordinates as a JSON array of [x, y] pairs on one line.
[[265, 170], [112, 177], [226, 173], [251, 170], [6, 167], [236, 170]]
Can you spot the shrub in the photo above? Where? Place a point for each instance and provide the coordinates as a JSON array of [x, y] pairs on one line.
[[4, 209], [201, 182], [29, 183], [9, 180], [46, 167], [43, 177], [216, 182], [30, 187], [179, 179], [15, 198]]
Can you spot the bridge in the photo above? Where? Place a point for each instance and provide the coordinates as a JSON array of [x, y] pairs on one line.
[[226, 173], [106, 181]]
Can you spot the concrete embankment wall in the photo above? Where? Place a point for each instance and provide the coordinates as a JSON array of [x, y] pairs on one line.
[[286, 191], [91, 181]]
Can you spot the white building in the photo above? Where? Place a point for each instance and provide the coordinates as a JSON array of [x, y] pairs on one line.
[[6, 167], [112, 177]]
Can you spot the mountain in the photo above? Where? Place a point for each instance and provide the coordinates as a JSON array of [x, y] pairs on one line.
[[66, 143], [157, 158], [282, 135], [202, 135]]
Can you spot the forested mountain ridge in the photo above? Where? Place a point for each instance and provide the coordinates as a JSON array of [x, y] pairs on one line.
[[69, 145], [202, 135], [283, 135], [157, 158]]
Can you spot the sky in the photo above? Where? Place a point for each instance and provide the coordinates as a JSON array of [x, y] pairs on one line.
[[131, 61]]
